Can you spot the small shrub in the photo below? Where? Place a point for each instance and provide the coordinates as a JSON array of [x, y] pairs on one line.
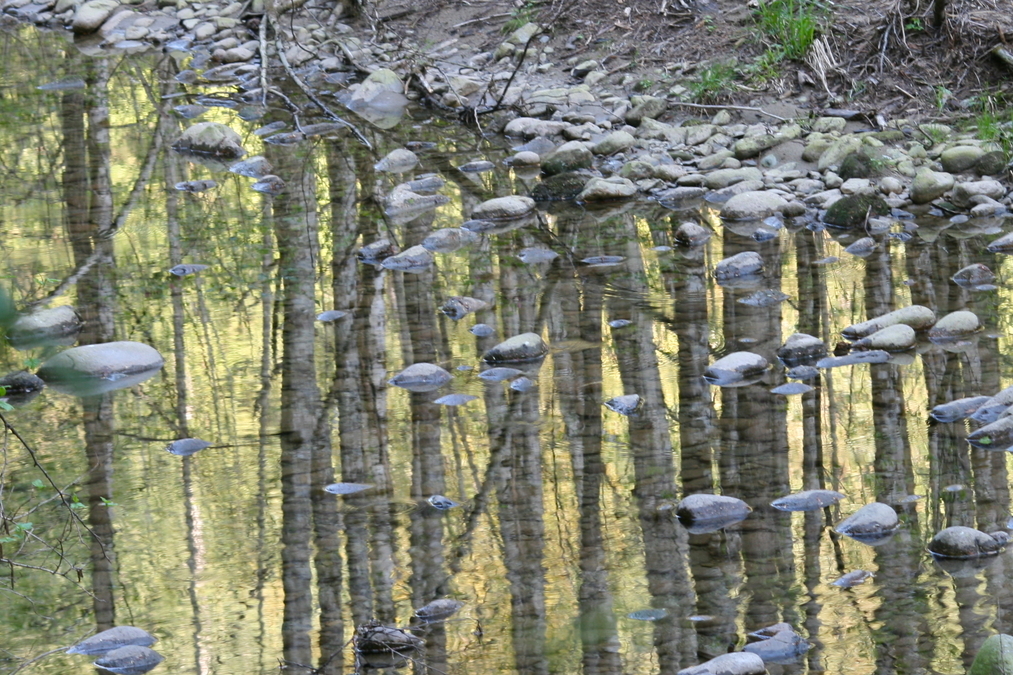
[[715, 80], [790, 24]]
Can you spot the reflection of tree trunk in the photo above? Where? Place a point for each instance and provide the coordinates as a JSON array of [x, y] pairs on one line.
[[295, 221], [87, 193], [898, 559], [665, 542]]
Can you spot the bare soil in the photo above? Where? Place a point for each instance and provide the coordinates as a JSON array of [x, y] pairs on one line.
[[880, 58]]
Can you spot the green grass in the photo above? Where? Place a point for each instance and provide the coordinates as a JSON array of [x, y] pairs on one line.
[[714, 80], [790, 26], [994, 120]]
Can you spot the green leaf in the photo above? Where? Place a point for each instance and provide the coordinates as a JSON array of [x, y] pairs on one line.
[[37, 483]]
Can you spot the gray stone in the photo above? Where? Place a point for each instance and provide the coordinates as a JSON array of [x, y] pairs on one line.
[[113, 638], [825, 125], [92, 14], [521, 36], [735, 367], [504, 208], [801, 348], [59, 325], [872, 520], [808, 500], [212, 139], [237, 55], [747, 263], [753, 205], [413, 259], [835, 153], [851, 211], [523, 347], [378, 82], [965, 542], [569, 156], [896, 338], [129, 659], [964, 192], [957, 324], [960, 158], [645, 107], [653, 130], [928, 185], [703, 507], [421, 377], [997, 435], [98, 368], [637, 169], [607, 189], [724, 177], [617, 141], [734, 663], [916, 316]]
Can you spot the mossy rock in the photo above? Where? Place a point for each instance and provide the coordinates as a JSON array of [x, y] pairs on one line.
[[856, 165], [852, 210], [561, 187]]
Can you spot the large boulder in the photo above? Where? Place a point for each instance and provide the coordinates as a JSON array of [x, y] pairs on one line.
[[928, 185], [960, 158], [96, 369]]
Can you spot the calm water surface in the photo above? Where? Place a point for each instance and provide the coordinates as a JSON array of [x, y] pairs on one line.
[[236, 558]]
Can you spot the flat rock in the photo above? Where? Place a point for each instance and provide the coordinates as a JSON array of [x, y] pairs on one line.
[[421, 377], [703, 508], [101, 367], [504, 208], [807, 500], [753, 205], [734, 663], [607, 189]]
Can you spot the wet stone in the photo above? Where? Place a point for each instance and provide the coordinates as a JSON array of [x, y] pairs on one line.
[[916, 316], [706, 512], [736, 369], [112, 639], [522, 384], [458, 307], [346, 488], [854, 578], [519, 348], [185, 447], [896, 338], [734, 663], [376, 251], [449, 240], [872, 356], [397, 161], [802, 372], [444, 608], [870, 523], [415, 259], [130, 660], [482, 330], [624, 405], [53, 326], [966, 542], [997, 435], [454, 400], [747, 263], [973, 276], [421, 377], [957, 324], [954, 411], [211, 139], [791, 389], [499, 374], [692, 234], [253, 167], [994, 406], [800, 349], [767, 297]]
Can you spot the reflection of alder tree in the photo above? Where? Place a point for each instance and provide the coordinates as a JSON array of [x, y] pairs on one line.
[[23, 543]]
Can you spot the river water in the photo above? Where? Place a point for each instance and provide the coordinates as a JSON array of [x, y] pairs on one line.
[[237, 560]]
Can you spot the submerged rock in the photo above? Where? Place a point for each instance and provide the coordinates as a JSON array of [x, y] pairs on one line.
[[560, 187], [807, 500], [397, 161], [374, 637], [421, 377], [851, 211], [438, 610], [375, 252], [853, 578], [870, 523], [707, 513], [98, 368], [185, 447], [449, 239], [872, 356], [523, 347], [777, 644], [918, 317], [499, 374], [966, 542], [736, 370], [114, 638]]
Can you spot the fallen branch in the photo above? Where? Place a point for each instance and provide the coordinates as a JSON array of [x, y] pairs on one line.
[[743, 108]]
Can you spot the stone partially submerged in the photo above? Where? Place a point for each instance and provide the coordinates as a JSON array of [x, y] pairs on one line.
[[807, 500], [112, 639], [96, 369], [872, 524], [918, 317], [997, 435], [701, 513], [56, 326], [961, 408], [801, 349], [519, 348], [734, 663], [738, 369], [210, 139], [896, 338], [966, 542], [421, 377], [130, 660], [955, 325], [745, 264]]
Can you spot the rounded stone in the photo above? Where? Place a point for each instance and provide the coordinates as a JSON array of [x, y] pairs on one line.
[[872, 520], [523, 347], [896, 338], [955, 325], [504, 208]]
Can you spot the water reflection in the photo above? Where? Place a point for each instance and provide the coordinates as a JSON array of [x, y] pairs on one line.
[[237, 555]]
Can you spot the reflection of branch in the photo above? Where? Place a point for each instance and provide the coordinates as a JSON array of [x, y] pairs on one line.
[[312, 97], [52, 483]]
